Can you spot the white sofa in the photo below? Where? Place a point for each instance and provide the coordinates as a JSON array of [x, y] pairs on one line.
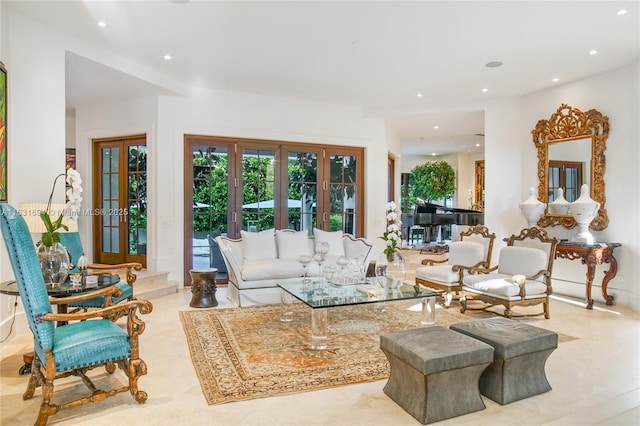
[[260, 260]]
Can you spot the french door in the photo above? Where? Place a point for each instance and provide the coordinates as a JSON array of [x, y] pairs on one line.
[[253, 185], [120, 199]]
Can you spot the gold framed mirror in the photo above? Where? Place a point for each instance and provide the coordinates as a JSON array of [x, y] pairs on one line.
[[571, 145]]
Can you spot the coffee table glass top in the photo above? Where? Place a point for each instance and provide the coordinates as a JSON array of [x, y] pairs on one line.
[[375, 290]]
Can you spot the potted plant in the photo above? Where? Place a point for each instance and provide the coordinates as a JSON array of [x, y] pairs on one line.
[[434, 180]]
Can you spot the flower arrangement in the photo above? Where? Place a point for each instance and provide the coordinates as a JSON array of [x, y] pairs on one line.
[[72, 209], [393, 234]]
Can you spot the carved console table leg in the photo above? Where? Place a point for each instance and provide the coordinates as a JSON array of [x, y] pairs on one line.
[[591, 256], [591, 271], [608, 275]]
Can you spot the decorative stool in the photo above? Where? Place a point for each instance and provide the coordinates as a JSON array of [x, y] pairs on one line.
[[521, 351], [435, 372], [203, 287]]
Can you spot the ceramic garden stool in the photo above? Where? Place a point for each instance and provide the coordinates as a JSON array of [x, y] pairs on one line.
[[435, 372], [203, 287], [520, 353]]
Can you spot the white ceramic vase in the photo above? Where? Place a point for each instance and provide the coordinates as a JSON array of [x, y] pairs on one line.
[[584, 210], [560, 205], [532, 209]]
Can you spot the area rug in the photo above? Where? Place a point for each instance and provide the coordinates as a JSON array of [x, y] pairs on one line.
[[245, 353]]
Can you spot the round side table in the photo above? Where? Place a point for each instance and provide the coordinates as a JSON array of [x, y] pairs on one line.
[[203, 287]]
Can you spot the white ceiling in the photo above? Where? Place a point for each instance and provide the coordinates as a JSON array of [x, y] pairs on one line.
[[371, 54]]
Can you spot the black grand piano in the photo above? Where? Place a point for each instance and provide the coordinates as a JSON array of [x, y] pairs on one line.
[[430, 216]]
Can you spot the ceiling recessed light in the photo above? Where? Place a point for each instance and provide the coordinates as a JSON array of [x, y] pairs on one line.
[[433, 154], [622, 12], [485, 90], [493, 64], [419, 95], [102, 24], [436, 127], [477, 145], [593, 52], [555, 79], [167, 57]]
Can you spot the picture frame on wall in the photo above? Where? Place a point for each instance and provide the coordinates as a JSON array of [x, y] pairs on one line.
[[3, 132]]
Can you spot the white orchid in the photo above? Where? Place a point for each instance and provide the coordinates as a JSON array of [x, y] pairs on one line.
[[72, 209], [393, 234]]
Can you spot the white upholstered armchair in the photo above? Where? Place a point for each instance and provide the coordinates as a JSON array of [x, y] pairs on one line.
[[521, 278], [473, 250]]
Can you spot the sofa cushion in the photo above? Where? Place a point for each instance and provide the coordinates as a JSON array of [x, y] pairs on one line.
[[438, 273], [259, 245], [465, 253], [334, 239], [522, 260], [292, 244], [269, 269]]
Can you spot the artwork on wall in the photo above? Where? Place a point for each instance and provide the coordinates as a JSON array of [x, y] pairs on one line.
[[3, 133], [70, 158]]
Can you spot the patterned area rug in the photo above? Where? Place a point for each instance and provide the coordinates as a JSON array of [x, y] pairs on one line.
[[245, 353]]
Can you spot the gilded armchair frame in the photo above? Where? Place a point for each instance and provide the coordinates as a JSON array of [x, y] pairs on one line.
[[526, 238], [473, 232]]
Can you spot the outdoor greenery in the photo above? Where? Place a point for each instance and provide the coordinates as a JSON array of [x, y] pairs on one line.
[[210, 189], [434, 180]]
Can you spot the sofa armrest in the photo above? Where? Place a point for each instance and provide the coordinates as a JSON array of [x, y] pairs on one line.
[[233, 256]]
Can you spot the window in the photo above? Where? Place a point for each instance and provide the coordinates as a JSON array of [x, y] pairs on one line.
[[238, 184]]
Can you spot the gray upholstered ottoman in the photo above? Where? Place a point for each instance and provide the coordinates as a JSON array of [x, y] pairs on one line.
[[521, 351], [435, 372]]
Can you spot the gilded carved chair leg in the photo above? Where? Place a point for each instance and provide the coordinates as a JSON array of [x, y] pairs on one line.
[[110, 367], [136, 369], [34, 380], [545, 306], [463, 304], [508, 312]]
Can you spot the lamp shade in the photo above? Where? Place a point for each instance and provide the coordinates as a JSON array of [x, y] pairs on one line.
[[31, 214]]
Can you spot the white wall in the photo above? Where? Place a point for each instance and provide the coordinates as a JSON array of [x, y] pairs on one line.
[[614, 94], [34, 58]]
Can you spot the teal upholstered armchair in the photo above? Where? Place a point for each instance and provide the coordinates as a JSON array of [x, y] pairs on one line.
[[78, 347], [71, 240]]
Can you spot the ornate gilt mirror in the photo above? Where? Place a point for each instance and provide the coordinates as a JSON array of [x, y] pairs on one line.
[[571, 147]]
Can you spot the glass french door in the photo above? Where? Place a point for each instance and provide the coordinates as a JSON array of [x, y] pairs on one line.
[[120, 199], [237, 184]]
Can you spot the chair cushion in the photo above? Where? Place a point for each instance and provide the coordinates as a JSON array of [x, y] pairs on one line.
[[522, 260], [268, 268], [502, 286], [466, 253], [292, 244], [259, 245], [98, 302], [438, 273], [334, 239], [88, 343]]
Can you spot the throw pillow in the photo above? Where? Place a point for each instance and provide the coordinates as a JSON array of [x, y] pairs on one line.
[[259, 245], [292, 244], [334, 239]]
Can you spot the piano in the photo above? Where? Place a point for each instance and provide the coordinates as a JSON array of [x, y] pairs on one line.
[[430, 215]]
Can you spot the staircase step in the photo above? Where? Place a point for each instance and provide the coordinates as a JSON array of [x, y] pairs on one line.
[[151, 284]]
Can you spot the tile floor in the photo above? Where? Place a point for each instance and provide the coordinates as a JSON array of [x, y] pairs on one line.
[[595, 381]]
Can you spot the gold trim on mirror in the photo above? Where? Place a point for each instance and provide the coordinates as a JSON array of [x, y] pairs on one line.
[[565, 125]]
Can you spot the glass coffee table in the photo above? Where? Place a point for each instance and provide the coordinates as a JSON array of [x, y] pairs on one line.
[[321, 296]]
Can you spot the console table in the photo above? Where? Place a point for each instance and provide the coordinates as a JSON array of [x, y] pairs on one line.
[[592, 255]]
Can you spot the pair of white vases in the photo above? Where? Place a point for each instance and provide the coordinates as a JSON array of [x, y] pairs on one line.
[[583, 210]]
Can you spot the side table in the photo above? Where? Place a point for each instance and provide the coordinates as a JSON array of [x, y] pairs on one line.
[[592, 255], [203, 287]]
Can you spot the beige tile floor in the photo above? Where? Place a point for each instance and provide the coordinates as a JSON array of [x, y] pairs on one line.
[[595, 381]]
